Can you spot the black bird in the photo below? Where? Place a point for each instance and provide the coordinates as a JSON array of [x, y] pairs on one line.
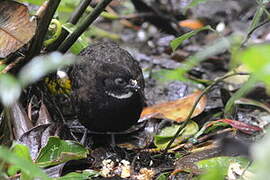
[[107, 88]]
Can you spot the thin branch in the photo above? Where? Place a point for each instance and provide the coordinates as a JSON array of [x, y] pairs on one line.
[[254, 29], [78, 12], [202, 139], [73, 19], [11, 65], [205, 91], [137, 15], [85, 24], [42, 28]]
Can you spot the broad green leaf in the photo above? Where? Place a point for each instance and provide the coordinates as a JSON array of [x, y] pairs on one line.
[[162, 139], [58, 151], [163, 176], [41, 66], [178, 41], [25, 166], [10, 89], [257, 60], [21, 151], [217, 168]]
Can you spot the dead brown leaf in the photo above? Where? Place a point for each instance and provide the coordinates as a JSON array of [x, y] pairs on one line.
[[177, 110], [16, 29]]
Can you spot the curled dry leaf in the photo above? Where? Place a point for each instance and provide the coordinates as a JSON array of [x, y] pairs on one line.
[[244, 127], [177, 110], [16, 29], [19, 119]]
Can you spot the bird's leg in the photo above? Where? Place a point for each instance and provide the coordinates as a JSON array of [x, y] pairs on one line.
[[113, 144], [83, 140]]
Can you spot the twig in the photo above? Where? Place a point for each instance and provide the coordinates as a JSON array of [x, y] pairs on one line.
[[137, 15], [85, 24], [202, 139], [73, 19], [254, 29], [42, 28], [11, 65], [75, 16], [245, 170], [123, 21], [206, 90]]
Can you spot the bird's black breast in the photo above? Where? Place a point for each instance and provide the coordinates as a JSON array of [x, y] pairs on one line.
[[95, 110]]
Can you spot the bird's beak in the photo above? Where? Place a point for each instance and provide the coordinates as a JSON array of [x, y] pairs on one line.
[[133, 84]]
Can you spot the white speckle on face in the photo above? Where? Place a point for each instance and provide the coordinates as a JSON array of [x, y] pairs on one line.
[[120, 96]]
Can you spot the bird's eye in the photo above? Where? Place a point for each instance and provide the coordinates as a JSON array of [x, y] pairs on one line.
[[120, 81]]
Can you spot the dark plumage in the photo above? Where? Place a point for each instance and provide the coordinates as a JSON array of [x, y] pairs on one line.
[[107, 87]]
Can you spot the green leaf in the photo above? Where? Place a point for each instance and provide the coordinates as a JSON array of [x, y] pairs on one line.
[[25, 166], [217, 167], [10, 89], [41, 66], [178, 41], [217, 47], [53, 33], [68, 5], [163, 176], [2, 67], [86, 174], [81, 43], [257, 59], [35, 2], [58, 151], [256, 18], [21, 151], [162, 139], [244, 89]]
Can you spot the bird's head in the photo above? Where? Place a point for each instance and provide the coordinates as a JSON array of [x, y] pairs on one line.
[[120, 83]]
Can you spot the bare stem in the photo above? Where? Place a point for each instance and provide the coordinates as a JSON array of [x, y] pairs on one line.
[[205, 91], [42, 28], [85, 24], [78, 12], [73, 19]]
